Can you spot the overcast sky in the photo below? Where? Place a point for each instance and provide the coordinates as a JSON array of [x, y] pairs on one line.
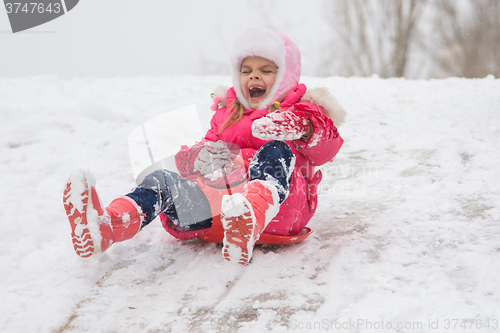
[[109, 38]]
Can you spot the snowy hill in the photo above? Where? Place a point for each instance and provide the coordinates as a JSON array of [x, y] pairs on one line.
[[406, 234]]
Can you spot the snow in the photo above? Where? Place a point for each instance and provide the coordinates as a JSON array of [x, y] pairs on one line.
[[212, 160], [406, 233], [234, 205]]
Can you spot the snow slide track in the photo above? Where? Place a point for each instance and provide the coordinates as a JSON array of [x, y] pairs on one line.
[[66, 326]]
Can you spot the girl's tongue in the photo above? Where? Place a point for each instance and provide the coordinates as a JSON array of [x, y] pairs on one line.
[[256, 92]]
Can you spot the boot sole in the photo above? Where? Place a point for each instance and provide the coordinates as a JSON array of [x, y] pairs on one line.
[[238, 236], [81, 236]]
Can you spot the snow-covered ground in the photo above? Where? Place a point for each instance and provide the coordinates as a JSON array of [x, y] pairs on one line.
[[406, 234]]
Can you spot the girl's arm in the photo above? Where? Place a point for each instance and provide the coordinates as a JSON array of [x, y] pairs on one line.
[[324, 142]]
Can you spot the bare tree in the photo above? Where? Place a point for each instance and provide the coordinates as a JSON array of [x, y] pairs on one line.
[[469, 38], [372, 36]]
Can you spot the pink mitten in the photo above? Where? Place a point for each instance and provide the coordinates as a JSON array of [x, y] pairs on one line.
[[281, 125], [212, 160]]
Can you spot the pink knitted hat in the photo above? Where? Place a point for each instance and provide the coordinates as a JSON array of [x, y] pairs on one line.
[[274, 46]]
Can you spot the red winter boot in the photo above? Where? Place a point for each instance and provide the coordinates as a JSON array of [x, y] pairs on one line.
[[244, 217], [93, 229], [125, 218]]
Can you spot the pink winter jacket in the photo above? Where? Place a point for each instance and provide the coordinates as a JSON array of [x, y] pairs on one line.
[[321, 147]]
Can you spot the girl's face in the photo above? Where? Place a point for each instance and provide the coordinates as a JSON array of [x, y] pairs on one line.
[[257, 77]]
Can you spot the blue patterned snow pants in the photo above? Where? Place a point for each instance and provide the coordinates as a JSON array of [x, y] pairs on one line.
[[186, 204]]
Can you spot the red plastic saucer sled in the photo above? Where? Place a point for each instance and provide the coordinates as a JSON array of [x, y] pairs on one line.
[[215, 233]]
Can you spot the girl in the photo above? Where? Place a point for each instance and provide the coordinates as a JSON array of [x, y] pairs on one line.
[[269, 120]]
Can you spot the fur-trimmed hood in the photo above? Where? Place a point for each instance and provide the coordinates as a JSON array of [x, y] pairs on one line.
[[322, 97], [319, 96], [274, 46]]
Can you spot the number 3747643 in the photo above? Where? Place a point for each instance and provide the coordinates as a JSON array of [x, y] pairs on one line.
[[32, 7], [472, 324]]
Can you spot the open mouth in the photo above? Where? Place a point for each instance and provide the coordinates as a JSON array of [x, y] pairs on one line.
[[256, 92]]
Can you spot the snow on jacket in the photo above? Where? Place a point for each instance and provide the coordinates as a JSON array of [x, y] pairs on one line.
[[321, 147]]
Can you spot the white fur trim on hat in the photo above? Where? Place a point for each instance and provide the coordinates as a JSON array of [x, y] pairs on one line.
[[258, 42]]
